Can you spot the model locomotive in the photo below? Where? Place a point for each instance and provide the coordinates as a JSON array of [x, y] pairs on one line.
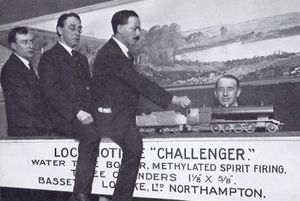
[[211, 119]]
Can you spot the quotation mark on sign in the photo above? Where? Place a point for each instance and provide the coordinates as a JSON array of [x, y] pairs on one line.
[[251, 150]]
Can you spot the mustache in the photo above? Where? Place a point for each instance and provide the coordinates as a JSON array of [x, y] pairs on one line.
[[136, 38]]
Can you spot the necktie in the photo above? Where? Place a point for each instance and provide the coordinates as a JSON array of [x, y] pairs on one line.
[[31, 69], [74, 54], [75, 57], [131, 57]]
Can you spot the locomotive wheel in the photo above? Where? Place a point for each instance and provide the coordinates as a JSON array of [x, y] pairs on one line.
[[176, 131], [272, 128], [250, 128], [238, 128], [166, 131], [152, 132], [227, 128], [215, 128]]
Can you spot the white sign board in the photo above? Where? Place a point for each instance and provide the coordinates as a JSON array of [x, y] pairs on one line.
[[234, 169]]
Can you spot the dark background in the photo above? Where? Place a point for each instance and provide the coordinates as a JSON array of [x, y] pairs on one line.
[[285, 97], [16, 10]]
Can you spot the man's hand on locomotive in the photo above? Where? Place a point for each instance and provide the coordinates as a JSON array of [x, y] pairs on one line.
[[182, 101], [84, 117]]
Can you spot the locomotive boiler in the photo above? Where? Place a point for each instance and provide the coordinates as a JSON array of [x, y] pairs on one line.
[[211, 119]]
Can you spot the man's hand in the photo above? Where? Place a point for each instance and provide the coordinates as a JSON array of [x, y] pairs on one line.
[[182, 101], [84, 117]]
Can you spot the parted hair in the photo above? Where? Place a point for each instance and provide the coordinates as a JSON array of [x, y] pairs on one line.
[[17, 30], [61, 20], [121, 18], [228, 76]]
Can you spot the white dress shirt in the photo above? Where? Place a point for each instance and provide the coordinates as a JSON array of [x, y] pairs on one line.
[[68, 48], [122, 46]]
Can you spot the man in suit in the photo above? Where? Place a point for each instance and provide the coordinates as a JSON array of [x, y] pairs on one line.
[[25, 109], [66, 84], [117, 89], [227, 90]]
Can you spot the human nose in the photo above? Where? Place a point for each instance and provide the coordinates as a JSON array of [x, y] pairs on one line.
[[30, 44], [77, 32], [225, 92], [138, 32]]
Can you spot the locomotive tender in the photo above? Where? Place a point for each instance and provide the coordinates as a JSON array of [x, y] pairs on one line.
[[211, 119]]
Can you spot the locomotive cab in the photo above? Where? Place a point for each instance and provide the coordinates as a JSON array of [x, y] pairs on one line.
[[199, 119]]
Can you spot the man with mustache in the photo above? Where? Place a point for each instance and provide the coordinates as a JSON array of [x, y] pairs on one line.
[[66, 85], [117, 88], [227, 90]]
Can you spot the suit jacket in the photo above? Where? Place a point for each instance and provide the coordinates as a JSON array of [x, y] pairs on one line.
[[118, 86], [24, 105], [65, 81]]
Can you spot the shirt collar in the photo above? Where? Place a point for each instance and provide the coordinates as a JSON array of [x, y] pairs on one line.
[[25, 61], [122, 46], [235, 104], [68, 48]]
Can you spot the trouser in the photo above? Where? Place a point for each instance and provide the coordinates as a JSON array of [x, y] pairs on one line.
[[88, 151], [130, 141], [132, 147]]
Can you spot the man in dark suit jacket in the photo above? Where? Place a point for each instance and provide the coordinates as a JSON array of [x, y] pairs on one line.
[[117, 88], [25, 109], [66, 84]]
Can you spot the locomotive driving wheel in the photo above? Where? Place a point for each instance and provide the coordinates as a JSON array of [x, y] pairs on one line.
[[227, 128], [250, 128], [215, 128], [238, 128], [272, 128]]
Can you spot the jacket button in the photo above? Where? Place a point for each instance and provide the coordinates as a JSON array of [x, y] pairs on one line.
[[87, 88]]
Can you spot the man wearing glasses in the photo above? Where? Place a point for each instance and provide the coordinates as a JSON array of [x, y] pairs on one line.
[[65, 81]]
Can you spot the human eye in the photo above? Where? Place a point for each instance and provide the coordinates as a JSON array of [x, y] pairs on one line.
[[231, 88], [72, 28], [220, 89], [24, 42]]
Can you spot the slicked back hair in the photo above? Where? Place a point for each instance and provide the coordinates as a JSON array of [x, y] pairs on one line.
[[61, 20], [17, 30], [121, 18], [228, 76]]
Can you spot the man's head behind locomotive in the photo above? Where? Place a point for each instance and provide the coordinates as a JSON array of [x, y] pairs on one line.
[[227, 90]]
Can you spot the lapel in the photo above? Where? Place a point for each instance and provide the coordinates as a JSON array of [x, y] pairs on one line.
[[118, 51], [23, 69], [77, 66]]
